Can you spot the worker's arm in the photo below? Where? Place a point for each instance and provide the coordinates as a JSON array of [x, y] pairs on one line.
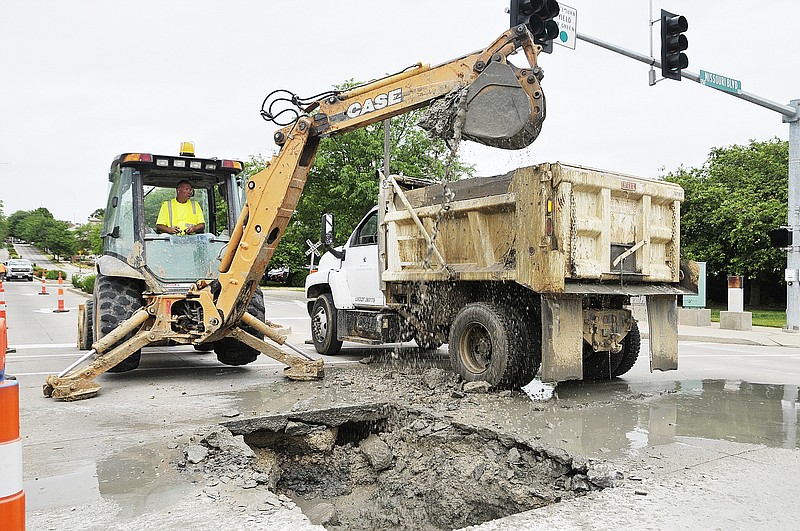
[[196, 229], [166, 230]]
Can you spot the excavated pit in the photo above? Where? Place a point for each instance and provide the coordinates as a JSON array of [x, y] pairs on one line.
[[381, 466]]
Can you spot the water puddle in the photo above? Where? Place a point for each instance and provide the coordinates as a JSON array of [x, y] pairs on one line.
[[140, 479], [616, 418]]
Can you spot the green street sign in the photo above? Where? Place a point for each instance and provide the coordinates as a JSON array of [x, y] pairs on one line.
[[720, 82]]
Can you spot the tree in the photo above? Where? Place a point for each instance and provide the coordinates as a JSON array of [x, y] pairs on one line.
[[3, 224], [344, 181], [731, 203], [88, 240]]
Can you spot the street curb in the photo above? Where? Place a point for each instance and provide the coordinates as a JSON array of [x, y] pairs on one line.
[[728, 340]]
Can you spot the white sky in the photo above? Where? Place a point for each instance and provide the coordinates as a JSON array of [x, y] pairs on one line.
[[82, 81]]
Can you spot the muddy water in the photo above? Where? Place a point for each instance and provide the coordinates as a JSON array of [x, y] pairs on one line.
[[612, 419], [609, 419], [139, 480]]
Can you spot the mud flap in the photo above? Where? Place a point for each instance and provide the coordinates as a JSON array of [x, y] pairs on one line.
[[562, 338], [662, 317]]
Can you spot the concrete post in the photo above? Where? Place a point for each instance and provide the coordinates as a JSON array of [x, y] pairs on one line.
[[793, 257]]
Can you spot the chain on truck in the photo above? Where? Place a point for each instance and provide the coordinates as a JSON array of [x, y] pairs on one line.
[[202, 290]]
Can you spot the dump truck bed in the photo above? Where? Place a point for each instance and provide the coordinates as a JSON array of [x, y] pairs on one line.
[[553, 227]]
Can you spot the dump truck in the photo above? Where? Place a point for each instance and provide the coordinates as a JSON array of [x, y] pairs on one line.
[[210, 301], [529, 272]]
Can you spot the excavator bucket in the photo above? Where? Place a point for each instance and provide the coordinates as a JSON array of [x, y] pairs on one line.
[[498, 111]]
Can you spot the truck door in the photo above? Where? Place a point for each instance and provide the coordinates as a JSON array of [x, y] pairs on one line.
[[361, 264]]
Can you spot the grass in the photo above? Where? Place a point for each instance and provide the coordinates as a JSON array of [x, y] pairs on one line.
[[773, 318]]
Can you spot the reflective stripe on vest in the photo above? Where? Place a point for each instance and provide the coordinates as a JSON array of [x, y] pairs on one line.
[[169, 207]]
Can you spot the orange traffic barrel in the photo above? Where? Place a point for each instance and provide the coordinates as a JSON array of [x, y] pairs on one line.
[[2, 301], [60, 308], [44, 283], [12, 495]]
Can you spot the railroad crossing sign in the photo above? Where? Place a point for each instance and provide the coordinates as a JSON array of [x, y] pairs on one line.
[[313, 250]]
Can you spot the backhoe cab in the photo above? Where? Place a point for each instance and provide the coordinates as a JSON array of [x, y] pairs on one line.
[[203, 290]]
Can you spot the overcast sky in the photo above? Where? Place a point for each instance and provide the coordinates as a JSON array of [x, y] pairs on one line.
[[82, 81]]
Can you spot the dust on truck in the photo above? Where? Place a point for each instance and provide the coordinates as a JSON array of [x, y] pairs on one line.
[[529, 272]]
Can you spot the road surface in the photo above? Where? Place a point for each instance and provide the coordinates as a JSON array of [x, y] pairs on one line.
[[701, 440]]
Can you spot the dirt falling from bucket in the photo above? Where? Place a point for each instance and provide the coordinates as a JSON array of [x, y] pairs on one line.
[[381, 466]]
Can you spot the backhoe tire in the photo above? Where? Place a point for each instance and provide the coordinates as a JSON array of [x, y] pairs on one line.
[[631, 346], [204, 347], [86, 326], [488, 343], [231, 351], [115, 300], [323, 326]]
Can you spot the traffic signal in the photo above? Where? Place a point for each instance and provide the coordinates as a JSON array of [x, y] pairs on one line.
[[537, 16], [673, 43], [781, 237]]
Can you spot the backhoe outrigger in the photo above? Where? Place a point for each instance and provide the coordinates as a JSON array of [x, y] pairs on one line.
[[481, 97]]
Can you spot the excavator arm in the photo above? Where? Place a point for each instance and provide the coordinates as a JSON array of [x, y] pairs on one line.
[[480, 97]]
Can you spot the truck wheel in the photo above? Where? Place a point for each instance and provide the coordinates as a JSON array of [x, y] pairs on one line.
[[116, 299], [488, 344], [85, 322], [323, 326], [630, 351], [231, 351]]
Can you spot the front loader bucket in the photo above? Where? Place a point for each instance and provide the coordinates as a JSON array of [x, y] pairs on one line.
[[495, 109]]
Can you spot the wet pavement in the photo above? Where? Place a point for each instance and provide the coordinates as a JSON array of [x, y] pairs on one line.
[[706, 446]]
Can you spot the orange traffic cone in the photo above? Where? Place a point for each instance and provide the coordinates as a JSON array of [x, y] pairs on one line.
[[44, 284], [2, 301], [60, 308], [12, 495]]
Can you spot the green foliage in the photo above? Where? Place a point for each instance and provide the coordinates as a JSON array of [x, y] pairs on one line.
[[88, 240], [730, 205], [41, 229], [84, 283], [772, 318], [343, 180]]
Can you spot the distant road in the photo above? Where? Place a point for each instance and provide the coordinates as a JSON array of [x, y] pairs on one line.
[[36, 256]]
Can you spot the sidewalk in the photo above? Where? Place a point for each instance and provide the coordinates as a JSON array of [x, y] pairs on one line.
[[759, 335]]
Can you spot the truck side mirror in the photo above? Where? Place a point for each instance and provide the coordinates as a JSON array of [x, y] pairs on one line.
[[329, 236], [328, 232]]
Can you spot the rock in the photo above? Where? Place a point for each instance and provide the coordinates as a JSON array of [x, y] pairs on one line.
[[231, 413], [321, 439], [504, 394], [323, 514], [435, 377], [222, 438], [514, 457], [297, 428], [377, 452], [602, 475], [195, 453], [479, 387]]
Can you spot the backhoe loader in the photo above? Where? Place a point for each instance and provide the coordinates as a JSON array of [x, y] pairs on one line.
[[481, 97]]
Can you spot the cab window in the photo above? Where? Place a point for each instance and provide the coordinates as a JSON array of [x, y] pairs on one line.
[[367, 232]]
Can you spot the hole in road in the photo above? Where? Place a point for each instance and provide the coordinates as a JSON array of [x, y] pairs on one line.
[[381, 466]]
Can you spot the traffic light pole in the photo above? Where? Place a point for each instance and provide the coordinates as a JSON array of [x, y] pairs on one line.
[[791, 115]]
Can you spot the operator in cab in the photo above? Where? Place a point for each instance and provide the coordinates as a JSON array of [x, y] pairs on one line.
[[182, 215]]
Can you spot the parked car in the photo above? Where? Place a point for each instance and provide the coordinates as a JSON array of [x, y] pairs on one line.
[[278, 274], [20, 268]]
